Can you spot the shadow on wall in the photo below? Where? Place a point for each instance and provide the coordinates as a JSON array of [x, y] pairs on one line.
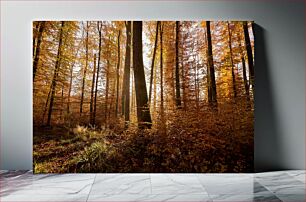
[[268, 153]]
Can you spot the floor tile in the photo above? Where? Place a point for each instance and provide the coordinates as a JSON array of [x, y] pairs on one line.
[[236, 184], [43, 198], [259, 189], [182, 198], [175, 184], [286, 186], [298, 175], [49, 184], [245, 198], [116, 184], [271, 174], [292, 197], [15, 180], [266, 198], [231, 197], [282, 184], [149, 198]]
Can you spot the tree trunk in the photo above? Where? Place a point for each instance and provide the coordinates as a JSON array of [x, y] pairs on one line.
[[99, 26], [143, 111], [69, 89], [183, 75], [249, 54], [62, 103], [154, 92], [253, 28], [85, 70], [106, 92], [35, 38], [70, 80], [55, 75], [46, 104], [153, 61], [37, 49], [212, 80], [245, 80], [207, 71], [112, 110], [231, 57], [172, 84], [177, 71], [126, 81], [117, 73], [161, 73], [183, 86], [92, 93], [196, 83], [133, 95]]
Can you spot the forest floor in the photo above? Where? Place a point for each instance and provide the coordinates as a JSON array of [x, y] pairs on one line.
[[189, 143]]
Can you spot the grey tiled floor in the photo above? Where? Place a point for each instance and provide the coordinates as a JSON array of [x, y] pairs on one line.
[[271, 186]]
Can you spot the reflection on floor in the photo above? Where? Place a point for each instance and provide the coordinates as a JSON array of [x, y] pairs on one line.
[[271, 186]]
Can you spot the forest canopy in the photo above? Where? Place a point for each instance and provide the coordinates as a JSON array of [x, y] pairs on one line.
[[143, 96]]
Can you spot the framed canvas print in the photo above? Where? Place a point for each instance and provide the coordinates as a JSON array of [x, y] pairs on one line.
[[143, 96]]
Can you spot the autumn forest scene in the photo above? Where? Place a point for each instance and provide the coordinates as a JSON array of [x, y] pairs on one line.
[[143, 96]]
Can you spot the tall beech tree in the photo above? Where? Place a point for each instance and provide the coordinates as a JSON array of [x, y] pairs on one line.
[[41, 26], [207, 71], [153, 60], [245, 81], [177, 70], [106, 108], [71, 78], [212, 81], [35, 33], [249, 54], [126, 77], [244, 74], [143, 111], [161, 72], [85, 69], [117, 72], [99, 28], [231, 58], [55, 74], [91, 108]]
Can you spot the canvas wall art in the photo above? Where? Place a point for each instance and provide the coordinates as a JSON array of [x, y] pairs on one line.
[[143, 96]]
